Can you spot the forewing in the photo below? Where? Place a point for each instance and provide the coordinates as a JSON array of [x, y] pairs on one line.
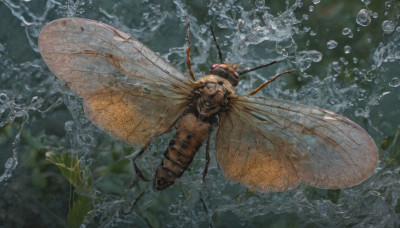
[[272, 145], [127, 89]]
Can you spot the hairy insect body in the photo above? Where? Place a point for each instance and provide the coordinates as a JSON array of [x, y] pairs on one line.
[[193, 129], [190, 135]]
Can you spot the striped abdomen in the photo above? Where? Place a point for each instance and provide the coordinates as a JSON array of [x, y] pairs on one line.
[[190, 135]]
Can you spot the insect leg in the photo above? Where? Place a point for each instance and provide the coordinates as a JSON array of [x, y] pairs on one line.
[[137, 170], [207, 159], [133, 204], [189, 63], [267, 82]]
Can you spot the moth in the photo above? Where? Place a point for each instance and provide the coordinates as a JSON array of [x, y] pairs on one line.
[[265, 144]]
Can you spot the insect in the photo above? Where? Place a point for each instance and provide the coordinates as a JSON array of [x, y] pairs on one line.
[[265, 144]]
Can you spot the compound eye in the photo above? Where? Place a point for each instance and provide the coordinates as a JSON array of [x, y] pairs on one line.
[[214, 66]]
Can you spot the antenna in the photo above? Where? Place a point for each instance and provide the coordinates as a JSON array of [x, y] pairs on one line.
[[258, 67], [215, 39]]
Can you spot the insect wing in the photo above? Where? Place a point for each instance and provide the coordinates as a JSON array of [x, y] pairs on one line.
[[272, 145], [127, 90]]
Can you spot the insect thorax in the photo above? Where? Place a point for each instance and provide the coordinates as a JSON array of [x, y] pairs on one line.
[[213, 95]]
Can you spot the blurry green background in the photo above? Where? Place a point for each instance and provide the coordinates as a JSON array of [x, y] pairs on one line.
[[60, 170]]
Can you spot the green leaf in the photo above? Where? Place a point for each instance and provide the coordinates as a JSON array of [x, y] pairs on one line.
[[68, 165], [82, 205]]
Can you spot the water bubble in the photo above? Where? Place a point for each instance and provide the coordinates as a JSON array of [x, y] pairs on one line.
[[299, 3], [347, 49], [366, 1], [69, 125], [395, 82], [59, 101], [344, 61], [3, 98], [363, 17], [299, 196], [285, 46], [305, 58], [388, 26], [336, 66], [331, 44], [311, 8], [346, 31], [316, 1], [315, 56], [9, 163], [173, 210], [36, 102], [260, 3]]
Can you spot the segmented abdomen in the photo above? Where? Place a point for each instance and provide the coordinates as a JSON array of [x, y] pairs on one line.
[[190, 135]]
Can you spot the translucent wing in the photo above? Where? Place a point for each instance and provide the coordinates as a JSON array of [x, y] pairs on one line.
[[127, 89], [272, 145]]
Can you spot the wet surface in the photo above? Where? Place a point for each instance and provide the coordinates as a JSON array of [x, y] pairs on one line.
[[346, 57]]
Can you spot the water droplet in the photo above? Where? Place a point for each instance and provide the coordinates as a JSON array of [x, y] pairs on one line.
[[260, 3], [316, 1], [346, 31], [375, 14], [173, 210], [344, 61], [305, 58], [366, 1], [69, 125], [388, 26], [359, 112], [9, 163], [398, 29], [347, 49], [312, 33], [59, 101], [3, 98], [363, 17], [315, 56], [299, 3], [355, 60], [395, 82], [305, 16], [299, 196], [311, 8], [331, 44], [36, 102]]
